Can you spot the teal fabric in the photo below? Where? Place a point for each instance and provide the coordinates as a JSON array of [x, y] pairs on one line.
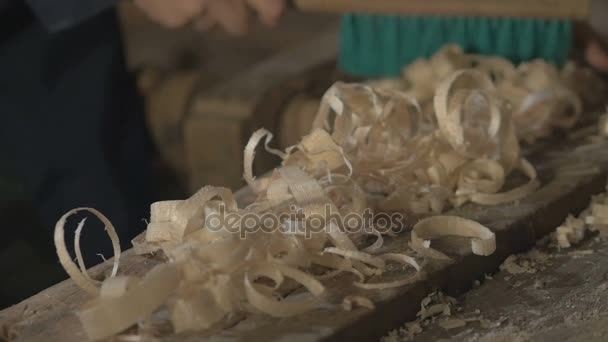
[[379, 46]]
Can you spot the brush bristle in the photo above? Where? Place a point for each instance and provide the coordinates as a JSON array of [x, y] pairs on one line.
[[380, 46]]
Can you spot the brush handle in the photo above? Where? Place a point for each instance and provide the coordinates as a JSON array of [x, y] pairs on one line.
[[563, 9]]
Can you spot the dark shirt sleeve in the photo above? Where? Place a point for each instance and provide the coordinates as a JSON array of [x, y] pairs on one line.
[[4, 4], [57, 15]]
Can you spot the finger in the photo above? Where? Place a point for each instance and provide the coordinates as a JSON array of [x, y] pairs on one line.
[[171, 14], [190, 9], [269, 11], [597, 56], [150, 9], [230, 14], [204, 23]]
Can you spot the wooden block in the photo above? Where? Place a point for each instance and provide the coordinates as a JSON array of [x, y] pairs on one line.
[[222, 119], [167, 102], [297, 119]]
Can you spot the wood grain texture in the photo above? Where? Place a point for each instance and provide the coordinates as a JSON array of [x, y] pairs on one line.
[[49, 316], [564, 9]]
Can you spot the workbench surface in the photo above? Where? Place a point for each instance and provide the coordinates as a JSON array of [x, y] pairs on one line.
[[561, 297], [570, 174]]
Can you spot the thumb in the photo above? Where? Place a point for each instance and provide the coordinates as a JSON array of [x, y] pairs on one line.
[[270, 11], [232, 15]]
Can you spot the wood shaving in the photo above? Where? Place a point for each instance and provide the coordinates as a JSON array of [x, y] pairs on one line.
[[449, 136], [79, 273], [433, 306], [436, 304], [603, 125], [350, 302], [530, 262], [405, 333], [593, 219], [572, 231], [483, 240], [539, 96], [452, 323]]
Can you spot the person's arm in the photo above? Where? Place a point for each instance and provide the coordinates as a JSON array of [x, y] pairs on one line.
[[57, 15], [231, 14]]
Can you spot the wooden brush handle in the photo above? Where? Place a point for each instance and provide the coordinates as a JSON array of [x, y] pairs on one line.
[[563, 9]]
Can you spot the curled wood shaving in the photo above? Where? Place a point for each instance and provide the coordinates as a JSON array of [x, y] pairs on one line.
[[112, 315], [445, 135], [350, 302], [483, 239], [80, 276], [403, 259], [538, 96], [513, 194], [276, 308]]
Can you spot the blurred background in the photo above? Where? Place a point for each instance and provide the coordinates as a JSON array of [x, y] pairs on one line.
[[195, 95]]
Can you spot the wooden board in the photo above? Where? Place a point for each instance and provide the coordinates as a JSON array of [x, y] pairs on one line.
[[564, 299], [565, 9], [49, 315]]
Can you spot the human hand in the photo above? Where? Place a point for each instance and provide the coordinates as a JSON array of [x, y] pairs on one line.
[[233, 15], [596, 39], [172, 13]]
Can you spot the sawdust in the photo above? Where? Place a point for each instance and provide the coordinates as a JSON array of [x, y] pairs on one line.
[[531, 262], [507, 334], [434, 306], [452, 323], [591, 220], [440, 310], [566, 301]]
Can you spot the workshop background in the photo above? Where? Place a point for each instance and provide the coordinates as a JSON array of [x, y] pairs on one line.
[[176, 69], [206, 93]]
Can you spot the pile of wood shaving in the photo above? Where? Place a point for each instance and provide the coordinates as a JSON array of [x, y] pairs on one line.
[[454, 140], [591, 220], [539, 96]]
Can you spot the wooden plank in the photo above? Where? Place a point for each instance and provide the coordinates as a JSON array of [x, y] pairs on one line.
[[517, 226], [565, 9], [563, 300], [49, 315]]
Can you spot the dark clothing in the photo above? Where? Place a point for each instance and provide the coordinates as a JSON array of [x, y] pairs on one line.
[[73, 126], [57, 15]]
